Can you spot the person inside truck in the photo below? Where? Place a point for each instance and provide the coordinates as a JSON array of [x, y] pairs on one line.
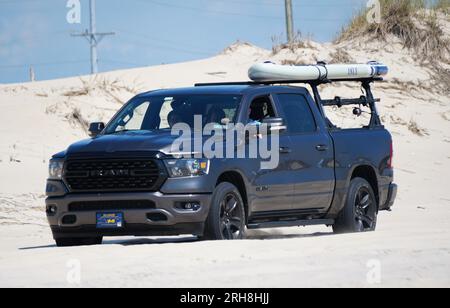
[[260, 109], [180, 113], [173, 118], [215, 116]]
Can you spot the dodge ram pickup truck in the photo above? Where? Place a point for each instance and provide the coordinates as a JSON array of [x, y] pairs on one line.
[[126, 181]]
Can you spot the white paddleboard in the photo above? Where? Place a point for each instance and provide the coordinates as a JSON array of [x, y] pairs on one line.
[[269, 71]]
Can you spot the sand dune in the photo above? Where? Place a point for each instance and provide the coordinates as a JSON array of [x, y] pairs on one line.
[[412, 243]]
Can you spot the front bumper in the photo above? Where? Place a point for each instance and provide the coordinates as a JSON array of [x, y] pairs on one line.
[[392, 195], [136, 221]]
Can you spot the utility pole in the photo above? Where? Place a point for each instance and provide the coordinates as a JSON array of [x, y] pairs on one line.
[[32, 74], [93, 37], [289, 21]]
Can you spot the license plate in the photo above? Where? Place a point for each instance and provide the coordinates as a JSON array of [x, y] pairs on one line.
[[109, 220]]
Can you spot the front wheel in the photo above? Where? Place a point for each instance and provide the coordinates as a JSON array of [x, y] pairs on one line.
[[360, 211], [226, 219]]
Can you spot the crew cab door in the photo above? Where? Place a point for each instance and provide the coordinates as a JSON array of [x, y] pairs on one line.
[[312, 154], [272, 189]]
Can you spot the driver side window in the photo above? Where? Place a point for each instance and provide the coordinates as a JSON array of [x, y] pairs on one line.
[[260, 109]]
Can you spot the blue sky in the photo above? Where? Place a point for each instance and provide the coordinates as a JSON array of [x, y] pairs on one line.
[[149, 32]]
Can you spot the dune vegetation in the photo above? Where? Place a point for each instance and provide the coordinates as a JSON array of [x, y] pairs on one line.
[[414, 22]]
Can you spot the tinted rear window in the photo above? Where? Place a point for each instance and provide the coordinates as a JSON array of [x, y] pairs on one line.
[[298, 114]]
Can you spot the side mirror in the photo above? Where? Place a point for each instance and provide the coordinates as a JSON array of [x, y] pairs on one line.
[[274, 124], [96, 128]]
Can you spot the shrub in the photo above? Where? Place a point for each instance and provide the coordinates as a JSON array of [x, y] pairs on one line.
[[408, 20]]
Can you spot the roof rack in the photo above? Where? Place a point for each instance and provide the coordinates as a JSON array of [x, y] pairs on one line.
[[267, 83]]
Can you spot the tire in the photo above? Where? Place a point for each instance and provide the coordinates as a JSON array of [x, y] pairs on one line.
[[71, 242], [360, 211], [226, 219]]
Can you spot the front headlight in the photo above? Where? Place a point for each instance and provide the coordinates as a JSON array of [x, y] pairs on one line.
[[187, 167], [55, 169]]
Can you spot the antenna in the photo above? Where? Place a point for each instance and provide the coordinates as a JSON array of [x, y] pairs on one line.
[[93, 37]]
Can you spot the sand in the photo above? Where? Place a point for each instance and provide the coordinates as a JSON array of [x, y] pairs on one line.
[[411, 247]]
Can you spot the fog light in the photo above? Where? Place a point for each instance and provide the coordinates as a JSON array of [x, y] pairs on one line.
[[189, 206], [51, 210]]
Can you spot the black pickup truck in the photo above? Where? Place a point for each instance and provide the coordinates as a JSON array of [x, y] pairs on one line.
[[126, 180]]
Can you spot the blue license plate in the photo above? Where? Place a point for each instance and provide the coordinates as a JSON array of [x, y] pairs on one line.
[[109, 220]]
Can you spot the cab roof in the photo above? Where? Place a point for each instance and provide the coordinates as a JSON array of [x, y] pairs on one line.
[[215, 90], [248, 87]]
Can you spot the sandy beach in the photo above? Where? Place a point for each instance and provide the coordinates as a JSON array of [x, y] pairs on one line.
[[411, 247]]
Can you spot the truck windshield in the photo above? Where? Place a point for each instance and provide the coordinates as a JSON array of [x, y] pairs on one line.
[[162, 112]]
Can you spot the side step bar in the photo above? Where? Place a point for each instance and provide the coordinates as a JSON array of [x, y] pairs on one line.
[[291, 223]]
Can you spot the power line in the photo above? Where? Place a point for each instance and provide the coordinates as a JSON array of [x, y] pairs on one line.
[[221, 12], [93, 37], [162, 43], [207, 10], [154, 45], [161, 40], [124, 63], [14, 66], [279, 3], [15, 1]]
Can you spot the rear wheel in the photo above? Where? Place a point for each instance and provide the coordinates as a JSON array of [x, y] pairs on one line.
[[69, 242], [226, 219], [360, 211]]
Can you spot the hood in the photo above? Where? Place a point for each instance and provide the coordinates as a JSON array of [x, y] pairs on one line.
[[125, 142]]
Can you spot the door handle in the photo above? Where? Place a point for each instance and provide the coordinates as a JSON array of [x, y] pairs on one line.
[[322, 147], [285, 150]]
